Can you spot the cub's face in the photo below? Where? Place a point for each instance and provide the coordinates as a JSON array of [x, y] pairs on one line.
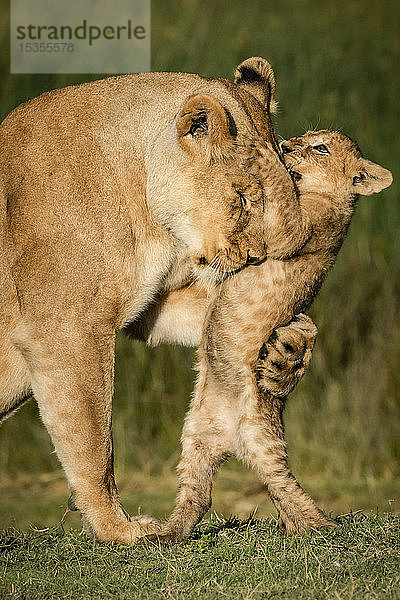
[[329, 162]]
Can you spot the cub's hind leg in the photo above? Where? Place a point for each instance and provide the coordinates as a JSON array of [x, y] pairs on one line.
[[207, 440], [261, 444], [213, 421]]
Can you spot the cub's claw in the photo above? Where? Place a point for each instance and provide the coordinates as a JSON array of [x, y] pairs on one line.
[[285, 356]]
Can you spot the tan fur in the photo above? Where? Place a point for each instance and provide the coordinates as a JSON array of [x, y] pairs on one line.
[[229, 413], [112, 194]]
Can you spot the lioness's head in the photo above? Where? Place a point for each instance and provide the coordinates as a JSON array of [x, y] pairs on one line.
[[329, 162], [217, 199], [228, 198]]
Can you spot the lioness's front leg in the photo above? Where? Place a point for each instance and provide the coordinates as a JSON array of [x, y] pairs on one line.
[[71, 367], [175, 318]]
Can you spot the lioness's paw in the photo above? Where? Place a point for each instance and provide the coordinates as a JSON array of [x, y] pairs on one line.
[[128, 532], [284, 358]]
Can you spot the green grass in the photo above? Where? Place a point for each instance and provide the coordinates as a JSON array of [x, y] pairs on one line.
[[233, 559], [337, 66], [42, 501]]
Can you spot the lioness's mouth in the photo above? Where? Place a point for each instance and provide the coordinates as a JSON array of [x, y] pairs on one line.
[[221, 266]]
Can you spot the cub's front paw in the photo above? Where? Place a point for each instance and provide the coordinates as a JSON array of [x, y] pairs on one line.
[[285, 356]]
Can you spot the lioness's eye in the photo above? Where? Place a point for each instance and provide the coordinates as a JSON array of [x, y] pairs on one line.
[[321, 149], [243, 201]]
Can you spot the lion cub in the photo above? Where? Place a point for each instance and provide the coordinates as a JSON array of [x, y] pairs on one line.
[[229, 413]]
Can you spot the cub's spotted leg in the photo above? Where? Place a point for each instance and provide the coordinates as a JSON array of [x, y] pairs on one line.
[[207, 440], [285, 356], [261, 444], [72, 381]]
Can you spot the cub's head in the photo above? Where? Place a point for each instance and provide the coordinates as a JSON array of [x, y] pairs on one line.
[[211, 197], [329, 162]]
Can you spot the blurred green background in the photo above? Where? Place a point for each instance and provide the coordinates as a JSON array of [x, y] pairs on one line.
[[337, 65]]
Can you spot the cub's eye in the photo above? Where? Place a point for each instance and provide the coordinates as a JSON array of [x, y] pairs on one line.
[[358, 178], [321, 149]]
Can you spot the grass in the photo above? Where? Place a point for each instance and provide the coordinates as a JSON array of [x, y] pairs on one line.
[[42, 501], [336, 66], [247, 559]]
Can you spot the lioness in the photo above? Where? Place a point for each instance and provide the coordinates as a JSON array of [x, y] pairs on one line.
[[229, 413], [112, 193]]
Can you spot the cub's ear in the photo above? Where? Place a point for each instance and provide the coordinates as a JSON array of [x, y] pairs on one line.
[[205, 127], [257, 77], [371, 178]]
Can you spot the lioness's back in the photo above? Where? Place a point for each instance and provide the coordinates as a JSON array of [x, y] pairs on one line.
[[127, 100]]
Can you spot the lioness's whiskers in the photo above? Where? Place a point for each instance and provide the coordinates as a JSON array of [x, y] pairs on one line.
[[216, 257]]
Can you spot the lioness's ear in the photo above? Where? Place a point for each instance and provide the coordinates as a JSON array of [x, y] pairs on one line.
[[257, 77], [371, 178], [205, 127]]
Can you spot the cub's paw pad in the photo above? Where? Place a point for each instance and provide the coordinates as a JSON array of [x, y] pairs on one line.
[[284, 357]]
